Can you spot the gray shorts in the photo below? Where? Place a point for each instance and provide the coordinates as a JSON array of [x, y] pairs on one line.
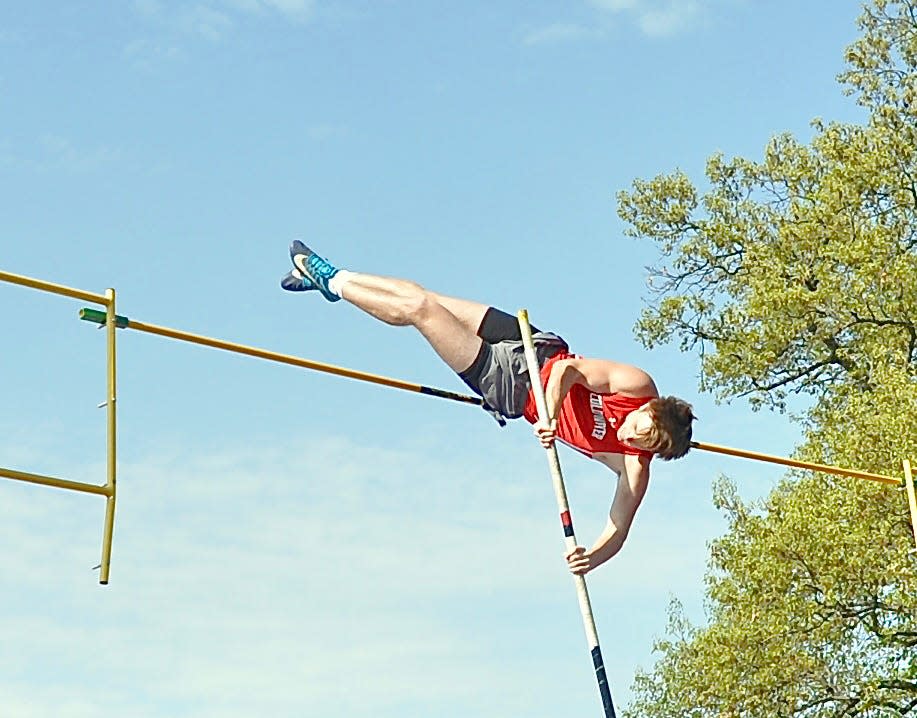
[[500, 375]]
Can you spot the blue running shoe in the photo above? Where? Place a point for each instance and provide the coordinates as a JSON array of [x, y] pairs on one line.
[[314, 268], [294, 281]]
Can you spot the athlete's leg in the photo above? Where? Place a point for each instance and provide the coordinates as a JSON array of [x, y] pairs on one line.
[[453, 327], [470, 314], [400, 302], [491, 324]]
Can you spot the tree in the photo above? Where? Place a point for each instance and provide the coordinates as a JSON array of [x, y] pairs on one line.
[[797, 274], [811, 612]]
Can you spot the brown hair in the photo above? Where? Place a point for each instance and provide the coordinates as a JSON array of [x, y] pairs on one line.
[[671, 430]]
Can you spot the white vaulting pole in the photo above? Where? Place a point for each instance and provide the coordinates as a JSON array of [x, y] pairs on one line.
[[569, 537]]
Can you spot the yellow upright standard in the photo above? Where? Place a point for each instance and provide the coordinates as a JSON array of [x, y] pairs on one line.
[[108, 489], [911, 500]]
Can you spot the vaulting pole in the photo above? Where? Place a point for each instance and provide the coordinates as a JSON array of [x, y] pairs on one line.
[[560, 492]]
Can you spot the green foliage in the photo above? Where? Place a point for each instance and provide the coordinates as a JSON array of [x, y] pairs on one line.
[[812, 611], [872, 430], [797, 274], [789, 274]]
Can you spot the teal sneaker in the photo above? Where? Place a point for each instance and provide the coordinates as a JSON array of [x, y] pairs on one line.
[[294, 281], [314, 268]]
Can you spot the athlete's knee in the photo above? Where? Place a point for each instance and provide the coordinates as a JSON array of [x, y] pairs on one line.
[[419, 304], [413, 304]]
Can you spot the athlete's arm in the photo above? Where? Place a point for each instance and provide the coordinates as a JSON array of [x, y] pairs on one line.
[[631, 488], [603, 376]]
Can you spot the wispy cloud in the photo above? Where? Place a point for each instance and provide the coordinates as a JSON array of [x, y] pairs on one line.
[[615, 5], [209, 21], [292, 8], [670, 19], [558, 33], [213, 21], [205, 21], [345, 579], [655, 18], [652, 18], [216, 15], [148, 8]]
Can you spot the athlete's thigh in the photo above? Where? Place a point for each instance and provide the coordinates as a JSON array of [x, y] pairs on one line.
[[450, 337], [470, 314]]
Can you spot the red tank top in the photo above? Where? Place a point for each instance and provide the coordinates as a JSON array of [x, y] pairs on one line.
[[589, 421]]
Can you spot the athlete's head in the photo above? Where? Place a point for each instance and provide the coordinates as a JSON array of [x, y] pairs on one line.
[[662, 425], [671, 432]]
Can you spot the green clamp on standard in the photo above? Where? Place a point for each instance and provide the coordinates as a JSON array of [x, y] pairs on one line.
[[94, 315]]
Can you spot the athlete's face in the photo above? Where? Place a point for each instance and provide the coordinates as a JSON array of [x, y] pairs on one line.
[[635, 429]]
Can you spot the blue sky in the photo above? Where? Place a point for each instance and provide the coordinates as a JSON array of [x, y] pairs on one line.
[[291, 543]]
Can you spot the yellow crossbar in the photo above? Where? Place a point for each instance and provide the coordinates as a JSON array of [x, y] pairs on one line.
[[54, 288], [825, 468]]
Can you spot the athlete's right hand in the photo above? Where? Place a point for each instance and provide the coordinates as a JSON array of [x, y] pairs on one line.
[[546, 432]]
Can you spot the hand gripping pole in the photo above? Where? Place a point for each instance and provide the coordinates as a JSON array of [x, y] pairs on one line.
[[569, 538]]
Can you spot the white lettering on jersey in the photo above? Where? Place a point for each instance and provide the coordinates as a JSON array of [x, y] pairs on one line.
[[599, 426]]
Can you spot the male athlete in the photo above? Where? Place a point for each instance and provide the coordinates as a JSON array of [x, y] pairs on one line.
[[610, 412]]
